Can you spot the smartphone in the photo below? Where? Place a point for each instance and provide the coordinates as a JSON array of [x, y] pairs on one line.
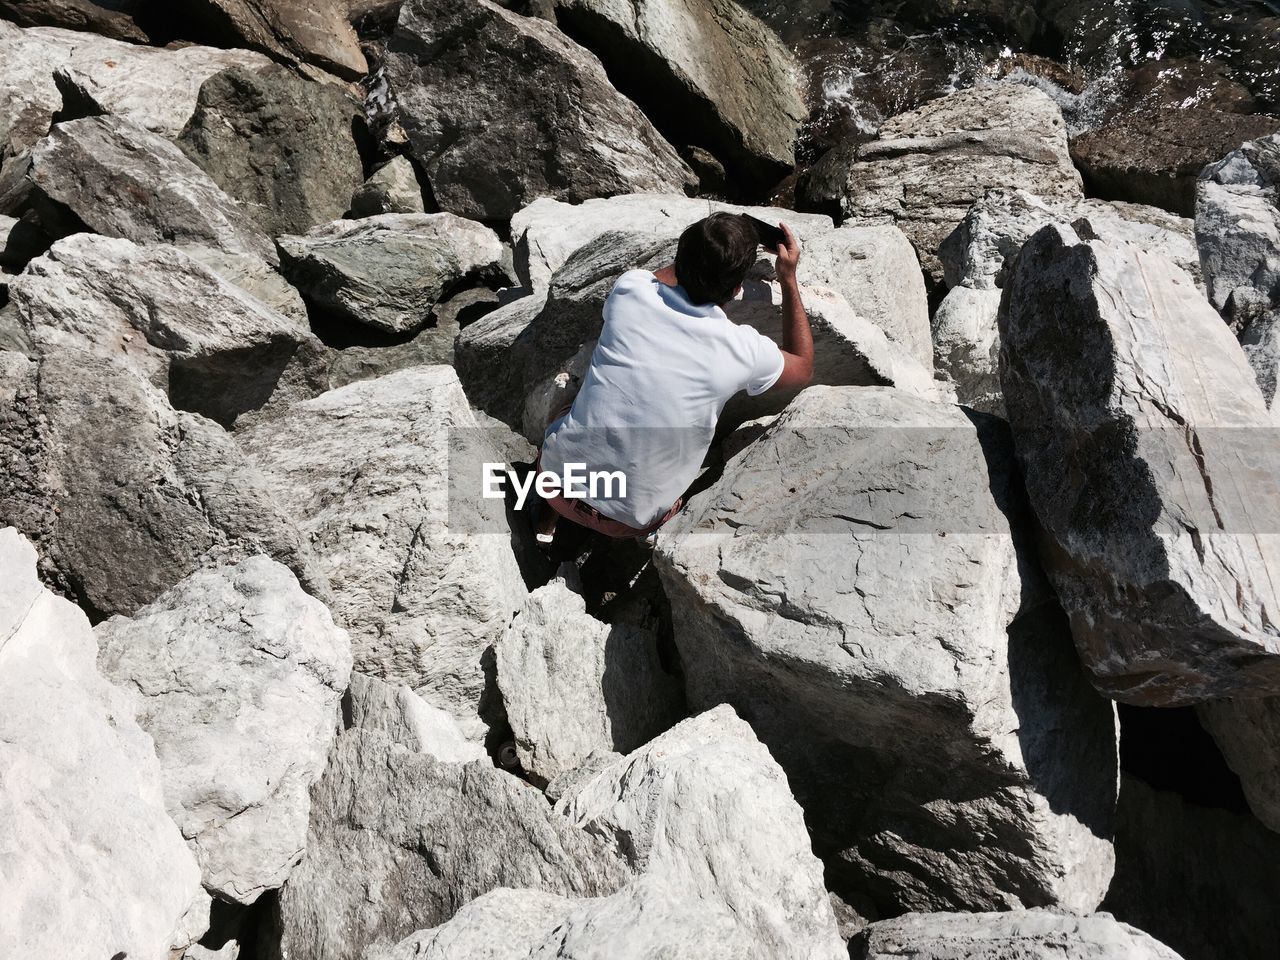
[[771, 237]]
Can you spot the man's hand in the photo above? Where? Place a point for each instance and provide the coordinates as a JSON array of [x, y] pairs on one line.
[[788, 256]]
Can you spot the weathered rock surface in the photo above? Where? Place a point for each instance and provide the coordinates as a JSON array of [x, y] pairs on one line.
[[857, 599], [931, 164], [704, 816], [1248, 734], [238, 675], [424, 587], [409, 720], [483, 358], [120, 180], [388, 271], [280, 145], [547, 232], [314, 31], [256, 277], [125, 494], [111, 18], [1155, 156], [708, 72], [1144, 441], [573, 685], [393, 189], [81, 811], [400, 841], [1018, 935], [966, 344], [471, 79]]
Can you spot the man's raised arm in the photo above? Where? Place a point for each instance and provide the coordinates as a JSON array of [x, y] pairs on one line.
[[797, 338]]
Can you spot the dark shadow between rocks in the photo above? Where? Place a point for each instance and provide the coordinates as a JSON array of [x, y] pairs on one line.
[[228, 384]]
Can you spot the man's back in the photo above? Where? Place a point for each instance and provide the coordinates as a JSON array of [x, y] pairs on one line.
[[658, 381]]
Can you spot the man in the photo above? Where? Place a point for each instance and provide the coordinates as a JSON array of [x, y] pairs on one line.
[[667, 361]]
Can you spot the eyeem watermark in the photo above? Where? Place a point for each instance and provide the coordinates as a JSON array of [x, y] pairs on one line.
[[576, 483]]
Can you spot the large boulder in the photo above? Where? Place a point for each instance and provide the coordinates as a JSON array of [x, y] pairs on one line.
[[709, 73], [282, 146], [1155, 156], [125, 494], [501, 109], [117, 179], [388, 271], [703, 815], [375, 475], [310, 31], [930, 164], [1017, 935], [238, 675], [573, 686], [853, 586], [1147, 450], [400, 841], [94, 866]]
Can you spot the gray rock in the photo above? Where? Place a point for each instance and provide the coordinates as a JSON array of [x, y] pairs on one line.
[[1238, 230], [483, 358], [572, 685], [966, 344], [389, 271], [312, 31], [256, 277], [280, 145], [409, 720], [930, 164], [713, 76], [704, 816], [1261, 343], [123, 181], [424, 586], [1248, 734], [547, 232], [853, 587], [393, 189], [238, 674], [472, 79], [400, 841], [1019, 935], [81, 810], [1144, 438], [112, 18]]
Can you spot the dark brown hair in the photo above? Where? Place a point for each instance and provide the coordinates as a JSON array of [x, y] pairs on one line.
[[714, 256]]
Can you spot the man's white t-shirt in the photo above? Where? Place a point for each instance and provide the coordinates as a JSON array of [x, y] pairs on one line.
[[659, 378]]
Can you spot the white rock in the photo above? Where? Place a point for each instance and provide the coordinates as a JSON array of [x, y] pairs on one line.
[[1148, 452], [93, 864], [853, 586], [966, 343], [408, 719], [424, 587], [573, 685], [238, 674]]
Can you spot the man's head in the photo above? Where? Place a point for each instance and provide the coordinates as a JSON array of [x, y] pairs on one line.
[[714, 256]]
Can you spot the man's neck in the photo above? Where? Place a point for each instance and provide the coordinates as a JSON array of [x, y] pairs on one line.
[[667, 275]]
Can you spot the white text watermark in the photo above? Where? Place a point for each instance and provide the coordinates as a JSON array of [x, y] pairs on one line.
[[576, 483]]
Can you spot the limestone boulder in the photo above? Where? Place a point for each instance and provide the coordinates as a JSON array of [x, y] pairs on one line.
[[714, 77], [857, 587], [389, 271], [930, 164], [471, 79], [1017, 935], [81, 808], [238, 674], [393, 189], [420, 566], [283, 146], [400, 841], [1147, 449], [572, 685], [309, 31], [119, 180]]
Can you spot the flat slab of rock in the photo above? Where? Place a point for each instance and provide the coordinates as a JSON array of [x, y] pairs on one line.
[[1017, 935], [311, 31], [1148, 453], [280, 145], [388, 271], [81, 810], [853, 587], [714, 76], [501, 109], [400, 841], [123, 181], [238, 674], [930, 164], [365, 471], [573, 685]]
